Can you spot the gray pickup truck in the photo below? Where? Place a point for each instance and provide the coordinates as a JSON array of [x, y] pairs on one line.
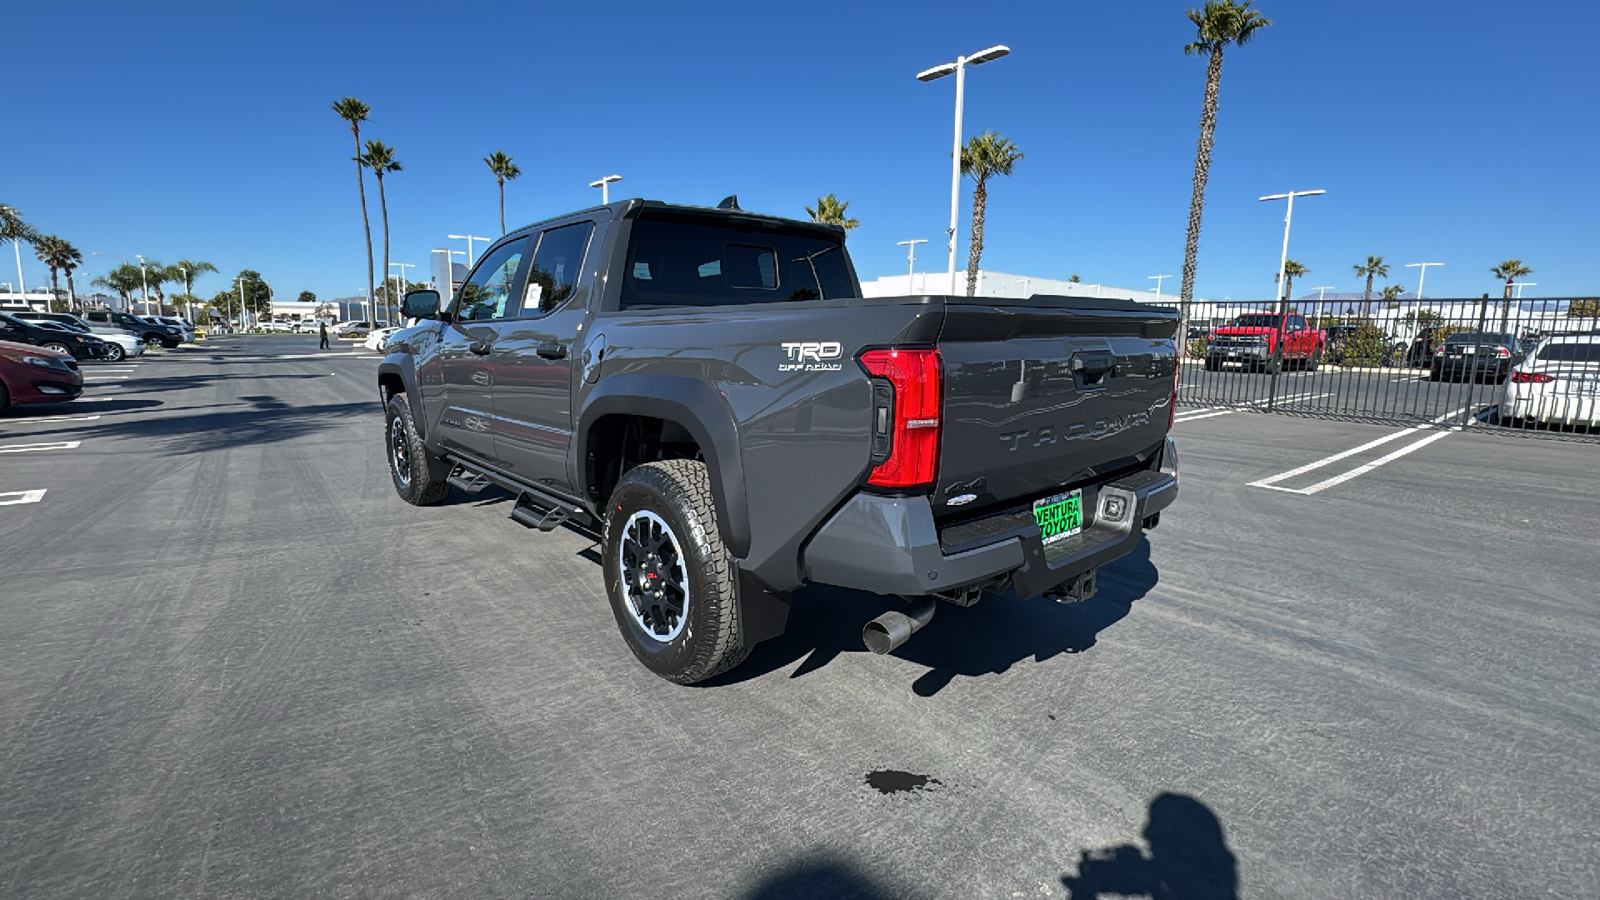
[[710, 390]]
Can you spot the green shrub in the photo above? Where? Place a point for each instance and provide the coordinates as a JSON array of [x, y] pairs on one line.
[[1197, 347], [1369, 345]]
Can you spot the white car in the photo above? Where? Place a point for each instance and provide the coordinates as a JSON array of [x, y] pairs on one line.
[[1558, 384], [117, 338], [306, 326], [377, 340], [175, 322]]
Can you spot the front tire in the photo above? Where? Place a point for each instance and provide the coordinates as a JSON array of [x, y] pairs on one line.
[[115, 353], [1315, 362], [56, 346], [670, 580], [415, 472]]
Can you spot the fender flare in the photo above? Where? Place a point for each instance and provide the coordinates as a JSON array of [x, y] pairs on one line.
[[703, 412], [405, 368]]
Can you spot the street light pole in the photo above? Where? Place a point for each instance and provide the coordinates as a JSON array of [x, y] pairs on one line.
[[911, 260], [604, 186], [1321, 289], [959, 67], [469, 238], [146, 282], [1158, 279], [1421, 274], [400, 286], [1279, 294], [1519, 284]]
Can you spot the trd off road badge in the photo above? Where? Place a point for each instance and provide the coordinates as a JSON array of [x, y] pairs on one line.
[[811, 356]]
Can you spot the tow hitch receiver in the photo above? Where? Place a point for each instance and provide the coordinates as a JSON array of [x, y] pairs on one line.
[[1074, 590]]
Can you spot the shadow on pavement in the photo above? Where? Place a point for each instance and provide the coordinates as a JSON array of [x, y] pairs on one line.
[[977, 640], [261, 423], [832, 880], [1185, 857]]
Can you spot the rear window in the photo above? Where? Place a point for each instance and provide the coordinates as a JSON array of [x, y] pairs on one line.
[[1573, 353], [686, 263], [1473, 337]]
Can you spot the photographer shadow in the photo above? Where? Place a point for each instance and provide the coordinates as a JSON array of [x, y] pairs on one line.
[[1187, 859]]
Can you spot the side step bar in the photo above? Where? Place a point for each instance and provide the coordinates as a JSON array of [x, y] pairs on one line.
[[534, 508], [467, 480], [536, 511]]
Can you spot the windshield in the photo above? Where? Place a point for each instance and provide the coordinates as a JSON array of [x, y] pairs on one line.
[[1256, 321]]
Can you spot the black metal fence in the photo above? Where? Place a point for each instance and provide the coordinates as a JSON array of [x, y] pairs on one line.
[[1526, 366]]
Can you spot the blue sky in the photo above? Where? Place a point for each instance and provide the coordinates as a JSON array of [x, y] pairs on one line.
[[1462, 133]]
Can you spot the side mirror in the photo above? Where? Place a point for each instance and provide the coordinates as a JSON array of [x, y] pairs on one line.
[[421, 305]]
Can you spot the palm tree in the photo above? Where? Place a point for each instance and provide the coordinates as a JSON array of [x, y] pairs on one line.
[[380, 159], [1375, 268], [1218, 24], [1510, 270], [13, 229], [185, 270], [1292, 269], [355, 112], [984, 157], [504, 170], [57, 255], [124, 279], [1391, 293], [831, 211]]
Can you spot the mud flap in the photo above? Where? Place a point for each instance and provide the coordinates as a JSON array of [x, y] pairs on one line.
[[763, 614]]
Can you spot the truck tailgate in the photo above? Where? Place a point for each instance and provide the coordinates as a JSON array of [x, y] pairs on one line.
[[1042, 392]]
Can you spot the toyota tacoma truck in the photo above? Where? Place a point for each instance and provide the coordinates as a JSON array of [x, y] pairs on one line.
[[708, 389], [1264, 342]]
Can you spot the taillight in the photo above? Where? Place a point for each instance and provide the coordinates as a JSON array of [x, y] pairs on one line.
[[905, 416], [1439, 352], [1503, 353], [1532, 378]]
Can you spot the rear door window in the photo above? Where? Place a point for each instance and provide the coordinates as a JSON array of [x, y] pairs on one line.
[[1570, 353], [556, 266]]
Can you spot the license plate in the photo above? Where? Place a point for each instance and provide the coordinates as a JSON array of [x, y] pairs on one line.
[[1059, 517], [1469, 350]]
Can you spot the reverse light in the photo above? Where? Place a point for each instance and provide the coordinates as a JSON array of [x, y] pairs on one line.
[[905, 421], [1532, 378]]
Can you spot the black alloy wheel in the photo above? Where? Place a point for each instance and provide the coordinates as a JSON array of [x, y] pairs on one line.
[[420, 477], [668, 576]]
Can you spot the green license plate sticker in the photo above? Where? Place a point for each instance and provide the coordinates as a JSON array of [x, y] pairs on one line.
[[1059, 517]]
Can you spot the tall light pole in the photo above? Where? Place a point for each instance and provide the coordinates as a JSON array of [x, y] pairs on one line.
[[911, 260], [469, 238], [1421, 274], [1158, 279], [604, 186], [399, 286], [1321, 289], [239, 280], [145, 281], [1283, 262], [959, 67], [113, 256], [1519, 285]]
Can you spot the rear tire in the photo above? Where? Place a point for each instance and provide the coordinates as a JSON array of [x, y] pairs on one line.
[[669, 578], [1272, 366], [420, 477]]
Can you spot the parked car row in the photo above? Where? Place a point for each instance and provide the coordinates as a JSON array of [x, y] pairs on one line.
[[30, 373]]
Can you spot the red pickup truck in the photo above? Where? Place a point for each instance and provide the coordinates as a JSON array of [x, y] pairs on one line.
[[1251, 340]]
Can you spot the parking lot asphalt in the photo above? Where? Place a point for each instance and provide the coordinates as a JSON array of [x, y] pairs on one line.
[[233, 663]]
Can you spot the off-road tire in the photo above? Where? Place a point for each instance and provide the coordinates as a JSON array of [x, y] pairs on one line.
[[424, 483], [679, 492]]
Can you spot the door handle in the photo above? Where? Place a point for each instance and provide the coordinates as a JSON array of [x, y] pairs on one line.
[[479, 347], [552, 351]]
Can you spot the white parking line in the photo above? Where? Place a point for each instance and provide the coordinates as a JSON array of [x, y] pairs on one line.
[[1213, 411], [13, 498], [1271, 483], [29, 448], [50, 419]]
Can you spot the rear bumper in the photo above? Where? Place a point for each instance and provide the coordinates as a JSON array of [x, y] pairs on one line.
[[1552, 409], [890, 545]]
